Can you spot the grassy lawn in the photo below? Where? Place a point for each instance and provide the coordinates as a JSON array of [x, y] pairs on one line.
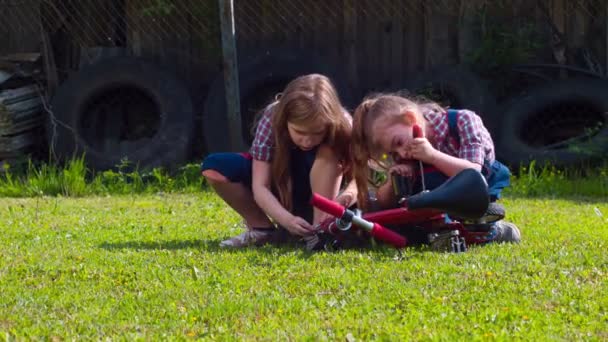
[[148, 267]]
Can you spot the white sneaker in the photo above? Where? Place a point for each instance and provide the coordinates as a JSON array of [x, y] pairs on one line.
[[252, 237]]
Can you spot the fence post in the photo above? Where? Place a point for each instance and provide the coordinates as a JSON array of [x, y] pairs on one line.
[[231, 75]]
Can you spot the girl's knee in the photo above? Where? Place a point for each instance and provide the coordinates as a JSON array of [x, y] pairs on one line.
[[226, 168], [211, 168], [214, 177]]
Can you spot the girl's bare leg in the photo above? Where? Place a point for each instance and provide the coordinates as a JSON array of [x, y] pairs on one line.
[[239, 197]]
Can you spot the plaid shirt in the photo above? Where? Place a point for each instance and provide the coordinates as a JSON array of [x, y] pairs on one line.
[[475, 143], [262, 147]]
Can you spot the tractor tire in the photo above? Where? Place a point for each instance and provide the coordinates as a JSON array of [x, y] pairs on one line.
[[122, 108], [562, 123]]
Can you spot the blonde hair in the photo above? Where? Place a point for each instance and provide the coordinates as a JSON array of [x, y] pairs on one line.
[[306, 99], [365, 150]]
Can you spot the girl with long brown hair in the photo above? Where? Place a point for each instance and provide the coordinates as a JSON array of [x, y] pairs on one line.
[[301, 145]]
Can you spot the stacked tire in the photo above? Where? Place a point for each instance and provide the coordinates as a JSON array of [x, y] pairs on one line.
[[122, 108], [560, 123]]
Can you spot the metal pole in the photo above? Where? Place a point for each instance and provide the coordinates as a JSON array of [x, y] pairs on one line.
[[231, 75]]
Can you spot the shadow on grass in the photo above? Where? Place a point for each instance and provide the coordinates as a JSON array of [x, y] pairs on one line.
[[214, 246], [207, 245], [204, 245]]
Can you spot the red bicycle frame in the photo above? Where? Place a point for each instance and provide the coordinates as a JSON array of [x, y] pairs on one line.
[[463, 196]]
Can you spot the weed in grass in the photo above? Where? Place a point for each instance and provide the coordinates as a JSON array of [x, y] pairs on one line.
[[74, 179], [553, 182]]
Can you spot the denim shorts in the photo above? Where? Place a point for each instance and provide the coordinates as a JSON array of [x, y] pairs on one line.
[[237, 168]]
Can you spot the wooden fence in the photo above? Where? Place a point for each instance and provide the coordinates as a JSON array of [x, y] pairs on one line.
[[376, 41]]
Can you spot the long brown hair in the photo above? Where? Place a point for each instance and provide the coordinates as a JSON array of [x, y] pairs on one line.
[[306, 99], [364, 146]]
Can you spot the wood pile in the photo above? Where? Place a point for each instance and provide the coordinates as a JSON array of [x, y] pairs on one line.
[[21, 117]]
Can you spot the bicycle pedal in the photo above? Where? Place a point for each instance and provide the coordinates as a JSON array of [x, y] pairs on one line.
[[449, 241]]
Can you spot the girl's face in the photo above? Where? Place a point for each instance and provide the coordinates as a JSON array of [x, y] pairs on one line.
[[392, 137], [307, 136]]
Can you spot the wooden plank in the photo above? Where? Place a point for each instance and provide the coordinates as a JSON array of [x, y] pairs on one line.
[[397, 63], [318, 31], [363, 48], [452, 32], [467, 39], [231, 75], [267, 20], [134, 40], [334, 24], [20, 110], [385, 47], [21, 57], [368, 33], [437, 36], [5, 33], [13, 146], [21, 116], [350, 45], [427, 27], [576, 25], [414, 34], [559, 17], [19, 31], [11, 112], [50, 67], [22, 126], [10, 96]]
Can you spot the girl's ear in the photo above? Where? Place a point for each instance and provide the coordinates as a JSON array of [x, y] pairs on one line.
[[409, 117]]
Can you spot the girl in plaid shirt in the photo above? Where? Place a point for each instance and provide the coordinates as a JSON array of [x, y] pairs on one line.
[[452, 141], [301, 145]]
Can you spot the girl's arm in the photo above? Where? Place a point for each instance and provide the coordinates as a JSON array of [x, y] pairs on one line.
[[450, 165], [270, 204], [422, 149], [325, 178], [348, 196]]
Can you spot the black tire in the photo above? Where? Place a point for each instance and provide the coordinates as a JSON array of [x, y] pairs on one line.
[[262, 74], [458, 88], [562, 123], [119, 108]]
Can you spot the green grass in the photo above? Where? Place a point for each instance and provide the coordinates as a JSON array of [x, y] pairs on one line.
[[75, 179], [134, 255], [549, 181], [148, 267]]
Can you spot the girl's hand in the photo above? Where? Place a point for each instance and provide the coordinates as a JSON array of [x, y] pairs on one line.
[[421, 149], [405, 170], [298, 226]]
